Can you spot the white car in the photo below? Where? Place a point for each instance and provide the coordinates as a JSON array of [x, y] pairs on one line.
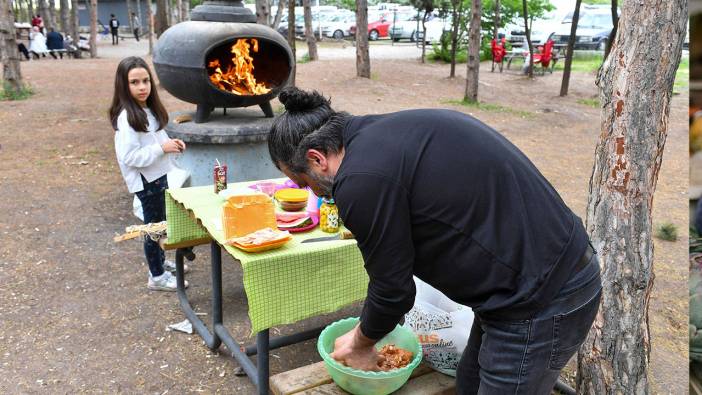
[[339, 26], [406, 26], [435, 29]]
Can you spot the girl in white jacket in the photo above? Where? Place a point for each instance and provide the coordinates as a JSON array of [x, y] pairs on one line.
[[144, 154]]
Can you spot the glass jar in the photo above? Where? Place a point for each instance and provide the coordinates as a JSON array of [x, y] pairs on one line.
[[329, 216]]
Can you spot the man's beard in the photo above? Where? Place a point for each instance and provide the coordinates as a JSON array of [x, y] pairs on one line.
[[324, 184]]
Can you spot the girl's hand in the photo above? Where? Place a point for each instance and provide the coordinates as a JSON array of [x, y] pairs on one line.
[[170, 146], [181, 143]]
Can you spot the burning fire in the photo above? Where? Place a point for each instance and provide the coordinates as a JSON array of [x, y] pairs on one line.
[[239, 78]]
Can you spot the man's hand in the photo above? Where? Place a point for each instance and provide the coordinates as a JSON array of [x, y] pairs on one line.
[[356, 351]]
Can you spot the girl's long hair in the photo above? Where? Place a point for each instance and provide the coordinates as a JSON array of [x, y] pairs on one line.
[[123, 100]]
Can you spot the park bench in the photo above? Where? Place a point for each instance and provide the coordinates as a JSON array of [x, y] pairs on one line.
[[315, 380]]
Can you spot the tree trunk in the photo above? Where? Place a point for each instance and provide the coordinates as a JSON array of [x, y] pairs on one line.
[[457, 6], [278, 14], [43, 10], [184, 12], [75, 29], [9, 55], [613, 33], [291, 38], [138, 12], [65, 16], [473, 67], [309, 34], [161, 17], [150, 20], [50, 21], [424, 35], [569, 51], [527, 32], [129, 15], [362, 56], [635, 84], [31, 10], [497, 19], [179, 11], [262, 12], [93, 28]]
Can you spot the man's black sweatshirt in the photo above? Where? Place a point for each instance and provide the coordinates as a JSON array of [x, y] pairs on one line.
[[438, 194]]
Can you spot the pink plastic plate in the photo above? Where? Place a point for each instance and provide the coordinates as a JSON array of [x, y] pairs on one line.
[[315, 222]]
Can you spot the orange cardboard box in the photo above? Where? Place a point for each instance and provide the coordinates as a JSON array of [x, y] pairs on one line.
[[244, 214]]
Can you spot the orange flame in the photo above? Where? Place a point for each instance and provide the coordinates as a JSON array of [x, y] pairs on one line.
[[239, 78]]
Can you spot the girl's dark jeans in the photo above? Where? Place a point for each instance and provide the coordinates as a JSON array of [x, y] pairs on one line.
[[153, 203]]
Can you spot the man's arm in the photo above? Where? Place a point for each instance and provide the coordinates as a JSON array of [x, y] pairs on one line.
[[376, 210]]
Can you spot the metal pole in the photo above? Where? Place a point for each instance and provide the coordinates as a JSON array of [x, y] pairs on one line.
[[216, 283], [394, 21], [262, 361]]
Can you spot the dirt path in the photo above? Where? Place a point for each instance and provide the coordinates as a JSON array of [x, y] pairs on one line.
[[76, 315]]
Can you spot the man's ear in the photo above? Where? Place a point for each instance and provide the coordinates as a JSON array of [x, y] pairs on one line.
[[316, 159]]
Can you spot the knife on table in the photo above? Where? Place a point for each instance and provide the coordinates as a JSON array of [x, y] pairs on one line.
[[344, 235]]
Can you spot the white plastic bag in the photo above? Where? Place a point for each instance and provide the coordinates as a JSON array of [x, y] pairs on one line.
[[442, 326]]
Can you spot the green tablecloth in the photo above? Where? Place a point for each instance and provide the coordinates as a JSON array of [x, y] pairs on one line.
[[285, 285]]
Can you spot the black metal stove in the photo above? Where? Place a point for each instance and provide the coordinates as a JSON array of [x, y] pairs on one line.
[[223, 59]]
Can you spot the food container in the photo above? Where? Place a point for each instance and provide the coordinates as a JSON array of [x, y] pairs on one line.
[[292, 199], [360, 382]]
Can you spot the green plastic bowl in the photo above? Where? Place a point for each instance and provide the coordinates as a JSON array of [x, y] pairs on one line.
[[359, 382]]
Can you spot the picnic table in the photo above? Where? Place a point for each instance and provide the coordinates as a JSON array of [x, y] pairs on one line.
[[283, 286]]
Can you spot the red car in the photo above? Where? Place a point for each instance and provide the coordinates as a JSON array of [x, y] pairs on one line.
[[380, 27]]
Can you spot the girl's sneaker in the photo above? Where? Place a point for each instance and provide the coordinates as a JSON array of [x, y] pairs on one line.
[[164, 282], [170, 266]]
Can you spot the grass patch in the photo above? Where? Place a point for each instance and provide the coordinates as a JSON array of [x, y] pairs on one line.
[[584, 61], [304, 59], [8, 94], [682, 76], [594, 103], [667, 231], [489, 107]]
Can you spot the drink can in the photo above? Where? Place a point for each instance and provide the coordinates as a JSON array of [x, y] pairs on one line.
[[220, 178]]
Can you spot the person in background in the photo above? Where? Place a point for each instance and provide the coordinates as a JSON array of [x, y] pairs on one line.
[[144, 153], [54, 41], [37, 21], [23, 50], [37, 43], [136, 23], [114, 29]]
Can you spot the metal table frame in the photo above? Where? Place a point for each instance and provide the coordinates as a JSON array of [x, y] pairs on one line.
[[259, 373]]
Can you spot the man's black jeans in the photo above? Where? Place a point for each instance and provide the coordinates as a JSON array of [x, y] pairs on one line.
[[153, 203], [115, 36], [526, 356]]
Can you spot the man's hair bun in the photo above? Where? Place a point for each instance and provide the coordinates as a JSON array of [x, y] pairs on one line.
[[297, 100]]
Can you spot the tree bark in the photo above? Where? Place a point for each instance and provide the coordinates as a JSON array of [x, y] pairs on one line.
[[184, 11], [74, 23], [309, 34], [635, 83], [93, 28], [278, 14], [497, 19], [31, 10], [65, 16], [291, 39], [161, 17], [569, 51], [424, 35], [363, 67], [138, 12], [262, 12], [456, 6], [43, 10], [129, 15], [527, 32], [613, 34], [9, 55], [150, 20], [52, 16], [179, 11], [473, 64]]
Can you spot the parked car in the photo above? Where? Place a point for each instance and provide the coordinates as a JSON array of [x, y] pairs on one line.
[[435, 29], [594, 28], [406, 26], [378, 26], [339, 26]]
